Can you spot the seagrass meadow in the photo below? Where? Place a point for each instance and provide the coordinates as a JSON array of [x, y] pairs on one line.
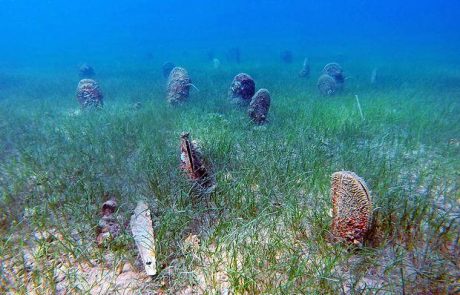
[[265, 228]]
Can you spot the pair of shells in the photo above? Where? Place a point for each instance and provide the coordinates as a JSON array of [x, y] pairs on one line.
[[89, 94], [242, 92], [351, 207], [331, 80], [178, 85]]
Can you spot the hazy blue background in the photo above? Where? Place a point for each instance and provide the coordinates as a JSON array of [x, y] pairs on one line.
[[85, 30]]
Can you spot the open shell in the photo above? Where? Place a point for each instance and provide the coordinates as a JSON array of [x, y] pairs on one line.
[[192, 163]]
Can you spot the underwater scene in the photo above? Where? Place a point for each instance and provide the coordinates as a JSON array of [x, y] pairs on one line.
[[229, 147]]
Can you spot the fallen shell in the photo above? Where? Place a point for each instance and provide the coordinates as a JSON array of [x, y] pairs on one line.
[[178, 86], [351, 207], [142, 230], [259, 106], [89, 94], [242, 89], [327, 85]]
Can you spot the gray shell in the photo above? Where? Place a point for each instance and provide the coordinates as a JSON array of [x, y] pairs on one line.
[[327, 85], [242, 89], [178, 86], [259, 106]]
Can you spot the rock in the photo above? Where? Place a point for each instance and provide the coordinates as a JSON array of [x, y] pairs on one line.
[[142, 230], [259, 106], [242, 89], [178, 86], [351, 207], [327, 85], [89, 94]]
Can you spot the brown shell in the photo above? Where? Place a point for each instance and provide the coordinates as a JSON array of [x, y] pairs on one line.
[[89, 94], [327, 85], [242, 89], [108, 227], [351, 207], [109, 207], [259, 106], [178, 86], [192, 162]]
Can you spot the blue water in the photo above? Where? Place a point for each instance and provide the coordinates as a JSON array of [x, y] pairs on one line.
[[74, 30]]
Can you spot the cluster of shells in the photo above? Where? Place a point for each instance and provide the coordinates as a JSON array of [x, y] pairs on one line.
[[332, 79], [242, 92], [351, 201]]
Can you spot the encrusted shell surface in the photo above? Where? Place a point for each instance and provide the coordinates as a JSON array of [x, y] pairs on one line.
[[327, 85], [351, 207], [242, 89], [89, 94], [335, 71], [178, 86], [259, 106]]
